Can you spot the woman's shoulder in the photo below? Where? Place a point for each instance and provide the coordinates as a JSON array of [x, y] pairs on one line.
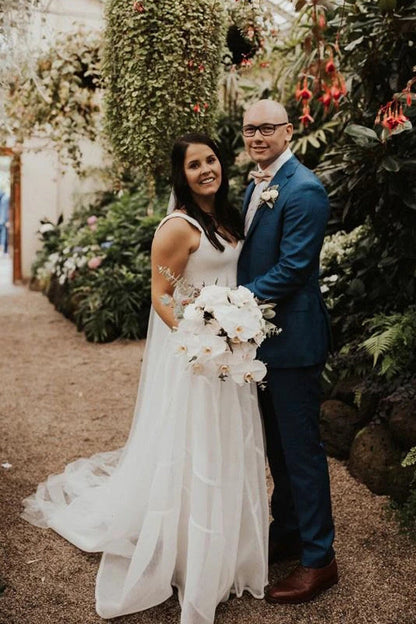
[[179, 221]]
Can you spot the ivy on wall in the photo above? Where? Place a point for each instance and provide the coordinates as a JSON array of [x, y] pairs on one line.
[[161, 67]]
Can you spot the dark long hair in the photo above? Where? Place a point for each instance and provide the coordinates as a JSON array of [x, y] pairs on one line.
[[226, 216]]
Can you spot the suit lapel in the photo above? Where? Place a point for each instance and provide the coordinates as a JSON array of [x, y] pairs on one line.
[[281, 179]]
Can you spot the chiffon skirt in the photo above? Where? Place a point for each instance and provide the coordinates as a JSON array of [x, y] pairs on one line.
[[183, 504]]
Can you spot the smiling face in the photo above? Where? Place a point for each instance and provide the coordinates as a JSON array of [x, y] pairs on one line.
[[265, 149], [202, 171]]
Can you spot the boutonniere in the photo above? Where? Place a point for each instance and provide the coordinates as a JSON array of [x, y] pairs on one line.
[[270, 195]]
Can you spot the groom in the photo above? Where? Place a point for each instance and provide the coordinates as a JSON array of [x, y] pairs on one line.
[[280, 262]]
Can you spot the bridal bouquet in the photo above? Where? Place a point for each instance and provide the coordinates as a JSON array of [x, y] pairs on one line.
[[219, 331]]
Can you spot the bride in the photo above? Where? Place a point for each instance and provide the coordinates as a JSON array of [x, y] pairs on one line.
[[184, 503]]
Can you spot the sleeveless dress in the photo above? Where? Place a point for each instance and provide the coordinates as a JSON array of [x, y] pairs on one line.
[[184, 503]]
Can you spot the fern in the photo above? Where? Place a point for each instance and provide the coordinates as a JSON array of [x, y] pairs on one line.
[[378, 344], [393, 342]]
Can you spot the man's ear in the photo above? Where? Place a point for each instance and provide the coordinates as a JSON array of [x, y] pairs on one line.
[[289, 128]]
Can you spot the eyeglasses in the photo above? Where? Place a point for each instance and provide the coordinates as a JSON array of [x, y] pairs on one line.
[[266, 129]]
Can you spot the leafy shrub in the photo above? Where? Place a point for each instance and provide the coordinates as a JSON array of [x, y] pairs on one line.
[[96, 268], [114, 301]]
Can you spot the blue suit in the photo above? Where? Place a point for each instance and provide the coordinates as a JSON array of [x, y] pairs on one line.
[[280, 262]]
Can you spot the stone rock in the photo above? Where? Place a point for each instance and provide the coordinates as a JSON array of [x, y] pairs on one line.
[[368, 406], [345, 390], [402, 424], [373, 454], [339, 423]]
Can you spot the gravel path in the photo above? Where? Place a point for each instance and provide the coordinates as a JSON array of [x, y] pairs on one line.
[[63, 398]]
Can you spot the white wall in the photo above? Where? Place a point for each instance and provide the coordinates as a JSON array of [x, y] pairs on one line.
[[61, 15], [49, 190]]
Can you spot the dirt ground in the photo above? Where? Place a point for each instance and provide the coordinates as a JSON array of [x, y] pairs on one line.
[[63, 398]]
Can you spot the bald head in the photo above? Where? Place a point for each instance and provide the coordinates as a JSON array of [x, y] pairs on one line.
[[273, 111], [269, 131]]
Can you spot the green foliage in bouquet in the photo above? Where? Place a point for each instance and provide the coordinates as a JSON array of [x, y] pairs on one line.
[[96, 268], [58, 99], [161, 68]]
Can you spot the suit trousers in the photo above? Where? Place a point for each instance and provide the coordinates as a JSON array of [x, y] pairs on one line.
[[301, 503]]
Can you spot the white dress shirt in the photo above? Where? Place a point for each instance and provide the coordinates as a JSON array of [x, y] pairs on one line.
[[259, 188]]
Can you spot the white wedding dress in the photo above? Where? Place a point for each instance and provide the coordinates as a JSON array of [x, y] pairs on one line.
[[184, 503]]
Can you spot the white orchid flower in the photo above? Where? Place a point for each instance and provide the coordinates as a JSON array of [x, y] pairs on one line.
[[241, 296], [183, 343], [246, 372], [244, 351], [211, 296], [238, 323], [210, 347]]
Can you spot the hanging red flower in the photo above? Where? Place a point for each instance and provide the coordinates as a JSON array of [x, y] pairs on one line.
[[138, 6], [391, 116], [303, 93], [246, 62], [330, 66], [326, 99], [306, 118]]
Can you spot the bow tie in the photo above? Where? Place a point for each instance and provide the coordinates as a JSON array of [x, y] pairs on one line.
[[260, 176]]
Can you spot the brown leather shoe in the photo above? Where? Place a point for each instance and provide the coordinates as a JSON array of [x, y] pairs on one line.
[[303, 584], [284, 551]]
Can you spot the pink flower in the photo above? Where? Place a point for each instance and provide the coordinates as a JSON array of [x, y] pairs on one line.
[[95, 262], [91, 220]]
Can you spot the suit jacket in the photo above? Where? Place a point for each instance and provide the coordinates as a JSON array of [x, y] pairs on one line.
[[279, 262]]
